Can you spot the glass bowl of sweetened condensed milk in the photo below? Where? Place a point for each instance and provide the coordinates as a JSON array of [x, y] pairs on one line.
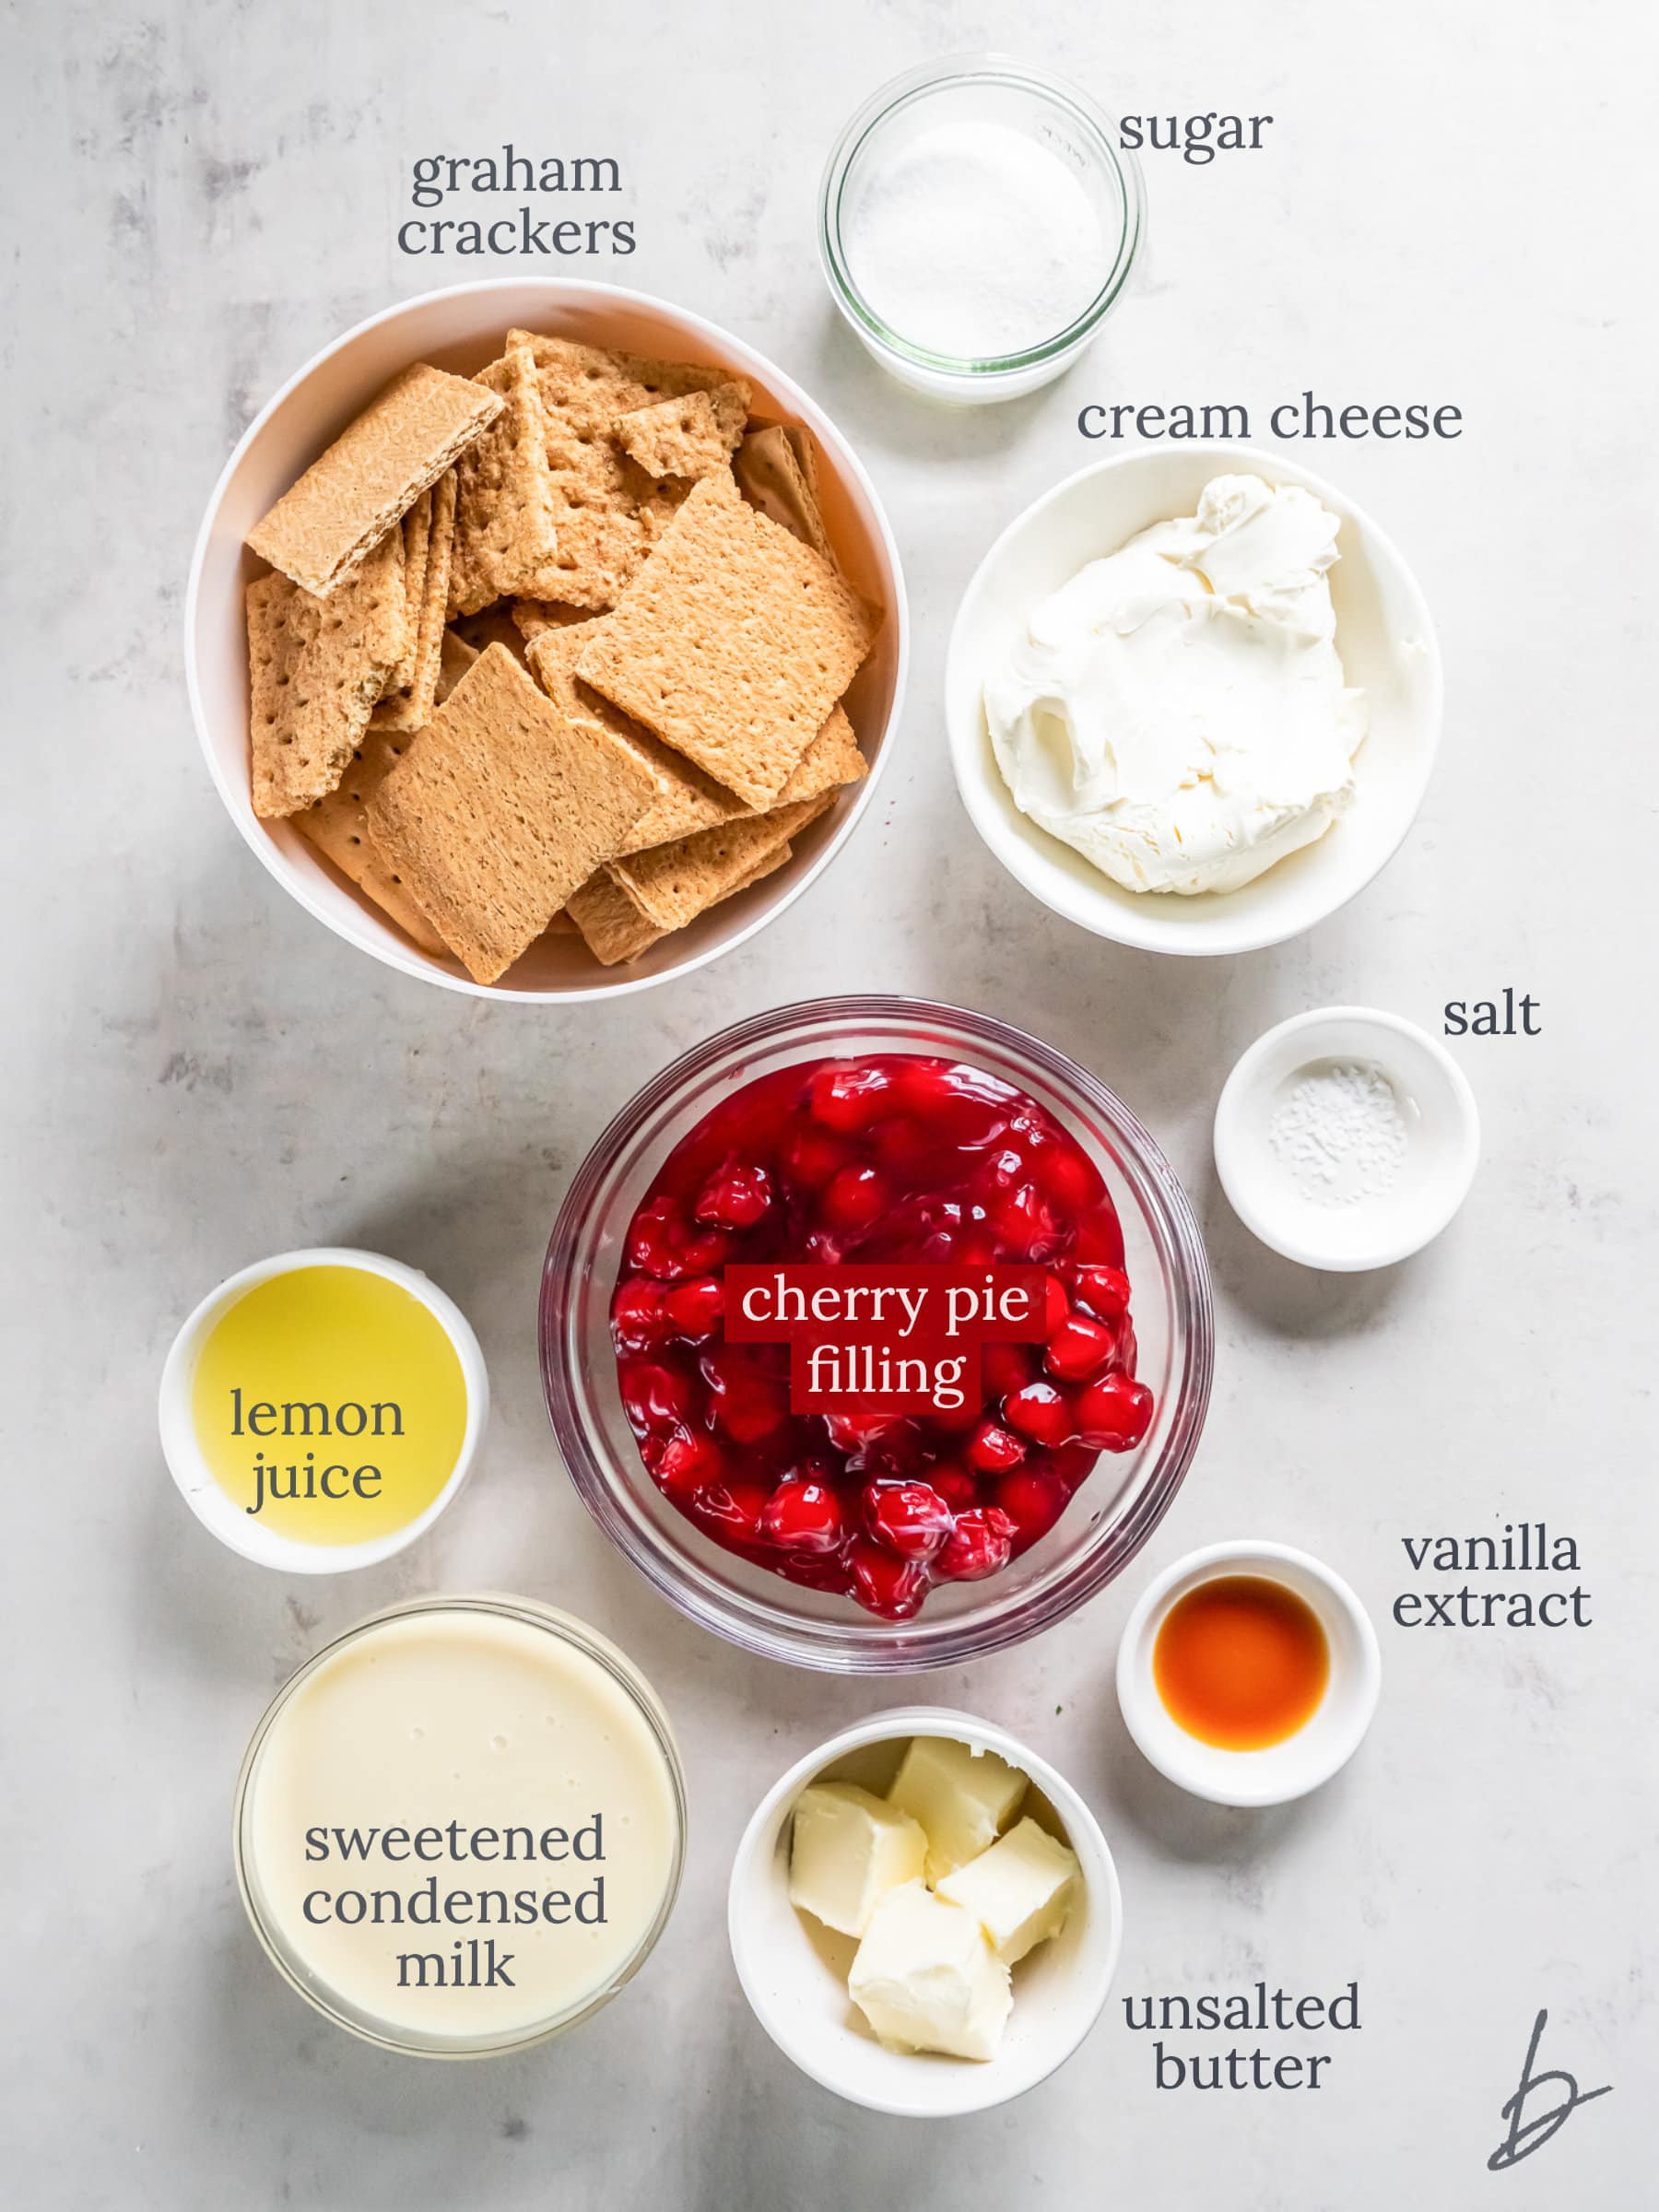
[[978, 221], [460, 1826]]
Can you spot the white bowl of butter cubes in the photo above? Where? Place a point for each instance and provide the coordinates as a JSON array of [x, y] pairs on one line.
[[924, 1915]]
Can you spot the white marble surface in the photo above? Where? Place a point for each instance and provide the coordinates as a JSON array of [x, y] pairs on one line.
[[1452, 207]]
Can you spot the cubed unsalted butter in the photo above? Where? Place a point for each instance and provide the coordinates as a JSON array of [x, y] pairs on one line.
[[848, 1850], [926, 1978], [1019, 1891], [963, 1798]]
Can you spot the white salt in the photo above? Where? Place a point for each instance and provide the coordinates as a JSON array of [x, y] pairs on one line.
[[975, 242], [1340, 1133]]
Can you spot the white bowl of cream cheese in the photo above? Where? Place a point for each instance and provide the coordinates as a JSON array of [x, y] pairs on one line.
[[1194, 697]]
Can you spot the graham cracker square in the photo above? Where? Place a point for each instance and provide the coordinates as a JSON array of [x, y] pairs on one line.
[[687, 437], [686, 799], [498, 811], [505, 525], [321, 532], [732, 643], [316, 667], [338, 827]]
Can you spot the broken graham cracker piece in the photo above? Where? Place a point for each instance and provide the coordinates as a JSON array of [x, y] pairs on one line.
[[322, 529], [686, 799], [316, 667], [531, 616], [732, 643], [831, 759], [337, 826], [594, 385], [776, 473], [411, 707], [673, 884], [498, 811], [608, 512], [687, 437], [607, 515], [504, 514], [613, 927]]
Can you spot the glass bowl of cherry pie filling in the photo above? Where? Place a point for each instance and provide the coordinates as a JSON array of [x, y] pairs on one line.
[[876, 1131]]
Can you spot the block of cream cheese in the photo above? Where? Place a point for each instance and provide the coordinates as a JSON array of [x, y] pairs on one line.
[[850, 1848], [1019, 1891], [926, 1978], [963, 1798], [1178, 713]]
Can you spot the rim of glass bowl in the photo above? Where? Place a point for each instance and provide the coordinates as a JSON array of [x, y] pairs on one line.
[[553, 1621], [857, 1643], [902, 91]]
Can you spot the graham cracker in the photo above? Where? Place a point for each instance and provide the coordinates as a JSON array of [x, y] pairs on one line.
[[608, 512], [411, 707], [686, 799], [804, 446], [687, 437], [613, 927], [830, 760], [673, 884], [777, 472], [531, 616], [504, 515], [322, 531], [732, 643], [498, 811], [607, 515], [417, 531], [337, 826], [594, 384], [316, 667]]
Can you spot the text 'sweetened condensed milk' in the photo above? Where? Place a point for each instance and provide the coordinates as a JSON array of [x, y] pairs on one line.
[[461, 1827], [329, 1404]]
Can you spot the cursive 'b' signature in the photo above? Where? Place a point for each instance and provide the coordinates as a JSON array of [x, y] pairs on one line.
[[1526, 2135]]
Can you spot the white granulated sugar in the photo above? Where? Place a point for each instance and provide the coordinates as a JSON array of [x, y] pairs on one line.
[[1340, 1133], [974, 240]]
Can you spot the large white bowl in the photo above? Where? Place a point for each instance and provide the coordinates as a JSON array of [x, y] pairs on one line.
[[1388, 647], [794, 1972], [461, 329]]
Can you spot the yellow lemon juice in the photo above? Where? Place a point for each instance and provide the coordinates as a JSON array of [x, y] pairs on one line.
[[330, 1404]]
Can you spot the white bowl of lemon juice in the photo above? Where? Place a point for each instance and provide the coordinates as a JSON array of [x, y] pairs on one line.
[[319, 1409]]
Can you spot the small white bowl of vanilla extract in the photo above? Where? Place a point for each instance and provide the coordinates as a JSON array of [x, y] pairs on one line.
[[319, 1409], [1248, 1673]]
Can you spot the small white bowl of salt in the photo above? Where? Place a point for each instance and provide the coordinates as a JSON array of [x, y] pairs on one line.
[[1347, 1138]]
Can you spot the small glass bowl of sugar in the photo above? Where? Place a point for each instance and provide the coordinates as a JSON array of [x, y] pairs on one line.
[[1347, 1138], [978, 221]]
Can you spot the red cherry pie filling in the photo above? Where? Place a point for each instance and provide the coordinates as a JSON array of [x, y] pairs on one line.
[[899, 1159]]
